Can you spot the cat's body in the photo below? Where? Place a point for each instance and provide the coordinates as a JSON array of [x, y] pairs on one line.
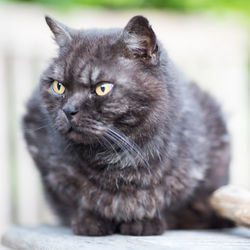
[[138, 160]]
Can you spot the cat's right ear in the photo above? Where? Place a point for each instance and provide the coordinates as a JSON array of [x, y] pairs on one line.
[[140, 39], [60, 31]]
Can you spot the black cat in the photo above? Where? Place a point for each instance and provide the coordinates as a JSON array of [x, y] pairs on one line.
[[122, 141]]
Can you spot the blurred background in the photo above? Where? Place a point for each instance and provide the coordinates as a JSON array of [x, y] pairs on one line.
[[207, 39]]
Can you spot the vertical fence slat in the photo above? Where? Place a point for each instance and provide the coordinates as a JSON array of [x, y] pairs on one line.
[[27, 177], [5, 202]]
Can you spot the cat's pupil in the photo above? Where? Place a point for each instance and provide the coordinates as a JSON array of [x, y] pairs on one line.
[[58, 86], [102, 88]]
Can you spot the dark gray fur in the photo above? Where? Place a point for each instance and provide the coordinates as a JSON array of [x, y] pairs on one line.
[[139, 160]]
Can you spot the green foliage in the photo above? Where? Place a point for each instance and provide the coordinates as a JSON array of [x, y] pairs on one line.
[[179, 5]]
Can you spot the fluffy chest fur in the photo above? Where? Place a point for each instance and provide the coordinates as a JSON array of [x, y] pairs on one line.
[[125, 193]]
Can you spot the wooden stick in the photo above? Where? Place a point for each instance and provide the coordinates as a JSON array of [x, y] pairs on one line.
[[232, 202]]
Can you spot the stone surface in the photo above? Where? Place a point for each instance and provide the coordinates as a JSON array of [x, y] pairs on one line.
[[61, 238]]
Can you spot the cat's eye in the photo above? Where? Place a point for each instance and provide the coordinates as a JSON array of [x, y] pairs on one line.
[[58, 87], [103, 88]]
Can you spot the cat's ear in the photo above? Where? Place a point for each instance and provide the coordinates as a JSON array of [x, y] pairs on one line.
[[60, 31], [140, 38]]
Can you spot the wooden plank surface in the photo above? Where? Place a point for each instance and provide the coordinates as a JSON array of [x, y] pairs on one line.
[[48, 238]]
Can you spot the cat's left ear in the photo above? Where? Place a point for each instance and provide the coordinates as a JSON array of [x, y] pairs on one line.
[[60, 31], [140, 39]]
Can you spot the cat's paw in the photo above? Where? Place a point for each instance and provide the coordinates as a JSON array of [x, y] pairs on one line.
[[92, 225], [143, 227]]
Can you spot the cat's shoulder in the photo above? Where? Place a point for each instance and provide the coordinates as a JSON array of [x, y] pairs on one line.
[[34, 121]]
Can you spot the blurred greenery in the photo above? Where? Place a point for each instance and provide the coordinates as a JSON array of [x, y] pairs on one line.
[[242, 6]]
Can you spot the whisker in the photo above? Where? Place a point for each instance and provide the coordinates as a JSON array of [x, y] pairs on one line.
[[109, 143], [135, 148], [127, 142], [67, 146], [127, 145], [118, 142], [114, 150], [123, 148], [36, 129]]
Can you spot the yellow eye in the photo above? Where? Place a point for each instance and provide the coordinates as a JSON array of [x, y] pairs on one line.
[[58, 87], [103, 88]]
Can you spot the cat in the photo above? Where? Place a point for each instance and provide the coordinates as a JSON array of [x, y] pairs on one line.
[[123, 142]]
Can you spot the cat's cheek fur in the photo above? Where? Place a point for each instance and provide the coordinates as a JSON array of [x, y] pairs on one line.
[[62, 123]]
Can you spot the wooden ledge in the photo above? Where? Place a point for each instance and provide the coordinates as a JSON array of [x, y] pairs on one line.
[[60, 238]]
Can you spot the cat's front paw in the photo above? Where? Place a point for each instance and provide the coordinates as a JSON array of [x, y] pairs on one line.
[[143, 227], [92, 225]]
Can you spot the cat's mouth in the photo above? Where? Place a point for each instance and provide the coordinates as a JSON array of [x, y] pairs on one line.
[[76, 131], [82, 135], [83, 131], [73, 130]]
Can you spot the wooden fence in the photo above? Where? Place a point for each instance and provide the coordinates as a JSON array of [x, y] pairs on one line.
[[210, 51], [20, 191]]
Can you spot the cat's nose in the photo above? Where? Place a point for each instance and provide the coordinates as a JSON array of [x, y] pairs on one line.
[[70, 110]]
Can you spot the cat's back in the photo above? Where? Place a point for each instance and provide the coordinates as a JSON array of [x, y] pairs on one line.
[[216, 138], [213, 116]]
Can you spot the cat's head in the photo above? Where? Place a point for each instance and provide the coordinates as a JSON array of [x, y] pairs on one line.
[[105, 80]]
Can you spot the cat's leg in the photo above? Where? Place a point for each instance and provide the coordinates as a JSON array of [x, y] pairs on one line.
[[64, 193], [61, 200], [197, 215], [153, 226], [92, 224]]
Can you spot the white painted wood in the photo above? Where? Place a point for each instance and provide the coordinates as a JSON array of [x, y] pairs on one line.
[[27, 177], [5, 201], [31, 205]]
